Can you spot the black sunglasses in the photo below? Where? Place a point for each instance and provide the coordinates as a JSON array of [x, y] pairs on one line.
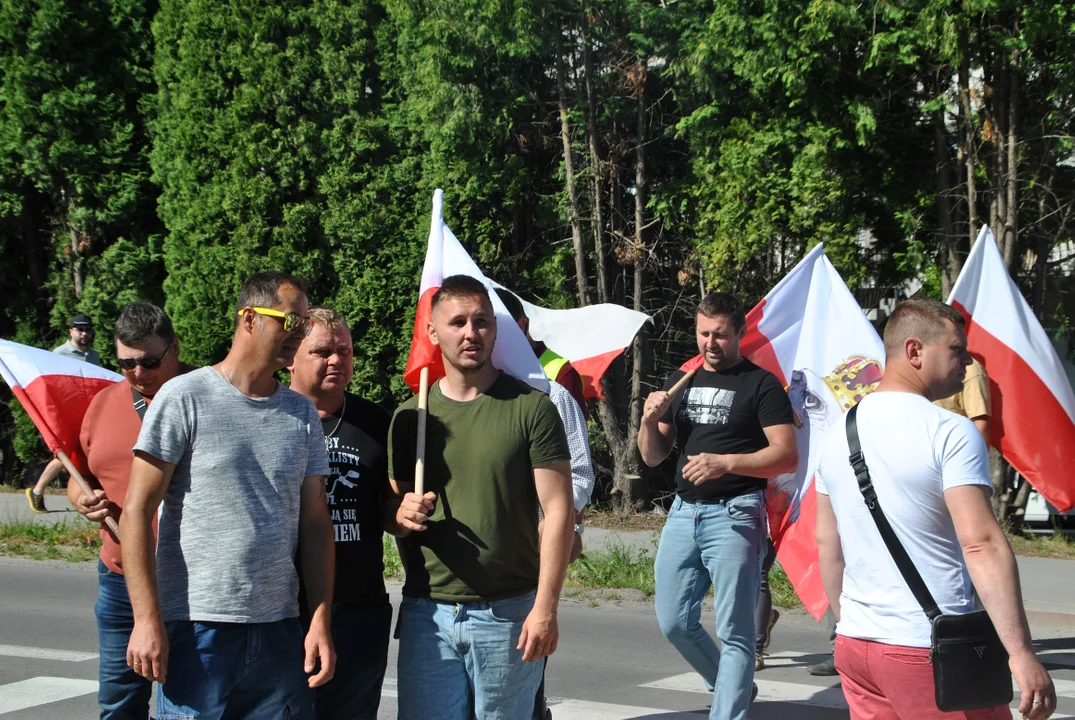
[[149, 363]]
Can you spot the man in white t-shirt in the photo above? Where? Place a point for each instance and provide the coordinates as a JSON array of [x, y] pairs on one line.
[[930, 470]]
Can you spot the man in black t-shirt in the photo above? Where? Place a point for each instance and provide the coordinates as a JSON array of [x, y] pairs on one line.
[[356, 438], [733, 424]]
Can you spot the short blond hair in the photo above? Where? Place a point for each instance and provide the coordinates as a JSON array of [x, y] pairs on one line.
[[328, 318], [919, 318]]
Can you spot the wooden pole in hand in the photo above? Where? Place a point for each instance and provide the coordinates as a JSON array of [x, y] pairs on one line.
[[680, 384], [85, 488], [420, 450]]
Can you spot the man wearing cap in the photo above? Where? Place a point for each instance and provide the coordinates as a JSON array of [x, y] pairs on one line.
[[79, 347]]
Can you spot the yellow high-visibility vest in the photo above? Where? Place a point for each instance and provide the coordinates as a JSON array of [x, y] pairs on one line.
[[552, 363]]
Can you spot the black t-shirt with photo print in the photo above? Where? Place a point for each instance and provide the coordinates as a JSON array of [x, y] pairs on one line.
[[723, 413], [357, 448]]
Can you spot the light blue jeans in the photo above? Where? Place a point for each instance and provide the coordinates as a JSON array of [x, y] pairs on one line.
[[719, 544], [458, 661]]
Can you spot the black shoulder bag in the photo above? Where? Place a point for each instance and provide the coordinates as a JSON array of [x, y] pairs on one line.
[[970, 665]]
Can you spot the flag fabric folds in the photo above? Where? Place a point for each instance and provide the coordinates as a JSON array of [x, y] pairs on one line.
[[811, 334], [591, 337], [445, 257], [55, 390], [1033, 421]]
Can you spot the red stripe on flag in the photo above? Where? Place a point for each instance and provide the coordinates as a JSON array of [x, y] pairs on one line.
[[592, 369], [695, 363], [798, 550], [423, 352], [1029, 426], [57, 404], [756, 346]]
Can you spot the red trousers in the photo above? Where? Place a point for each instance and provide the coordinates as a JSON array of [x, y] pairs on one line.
[[893, 682]]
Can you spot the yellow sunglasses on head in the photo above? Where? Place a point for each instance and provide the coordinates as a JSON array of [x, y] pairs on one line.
[[294, 324]]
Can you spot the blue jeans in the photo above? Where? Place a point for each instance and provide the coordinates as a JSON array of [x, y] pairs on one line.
[[361, 639], [122, 693], [719, 544], [458, 662], [231, 670]]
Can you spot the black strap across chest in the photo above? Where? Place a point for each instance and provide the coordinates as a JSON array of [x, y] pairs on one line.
[[899, 555], [140, 404]]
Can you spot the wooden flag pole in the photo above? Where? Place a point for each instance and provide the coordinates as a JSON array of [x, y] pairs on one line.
[[85, 488], [680, 384], [420, 450]]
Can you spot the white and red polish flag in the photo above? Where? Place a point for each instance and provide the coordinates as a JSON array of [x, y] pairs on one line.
[[1033, 421], [55, 391], [445, 257], [812, 335], [591, 337]]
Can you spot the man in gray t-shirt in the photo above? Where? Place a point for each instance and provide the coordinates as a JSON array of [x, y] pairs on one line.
[[236, 459]]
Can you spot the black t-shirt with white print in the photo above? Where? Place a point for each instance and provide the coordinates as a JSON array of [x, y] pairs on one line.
[[357, 448], [725, 412]]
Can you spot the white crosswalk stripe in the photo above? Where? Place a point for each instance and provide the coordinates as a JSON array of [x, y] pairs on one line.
[[806, 694], [585, 710], [41, 691], [36, 653], [768, 690]]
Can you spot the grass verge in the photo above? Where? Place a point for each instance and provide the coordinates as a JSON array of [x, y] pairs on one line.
[[77, 541], [1049, 546], [614, 568], [393, 565], [51, 489], [618, 567]]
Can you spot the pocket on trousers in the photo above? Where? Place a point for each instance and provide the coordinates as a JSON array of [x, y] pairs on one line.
[[745, 507], [915, 657], [179, 633], [408, 603], [514, 610]]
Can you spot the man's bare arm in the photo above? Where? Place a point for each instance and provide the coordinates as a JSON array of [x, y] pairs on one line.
[[318, 561], [540, 634], [982, 423], [655, 438], [147, 651], [781, 456], [829, 553], [992, 568]]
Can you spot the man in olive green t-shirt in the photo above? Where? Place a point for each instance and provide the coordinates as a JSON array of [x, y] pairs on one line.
[[480, 601]]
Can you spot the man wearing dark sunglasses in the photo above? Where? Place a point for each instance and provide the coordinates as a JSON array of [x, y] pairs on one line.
[[234, 460], [148, 356]]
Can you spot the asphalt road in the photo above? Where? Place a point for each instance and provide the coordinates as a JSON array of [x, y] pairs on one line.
[[612, 664]]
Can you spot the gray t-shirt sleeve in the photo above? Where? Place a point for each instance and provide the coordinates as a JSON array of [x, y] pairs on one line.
[[317, 462], [168, 426]]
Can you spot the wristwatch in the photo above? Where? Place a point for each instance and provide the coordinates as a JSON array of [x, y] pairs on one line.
[[579, 529]]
